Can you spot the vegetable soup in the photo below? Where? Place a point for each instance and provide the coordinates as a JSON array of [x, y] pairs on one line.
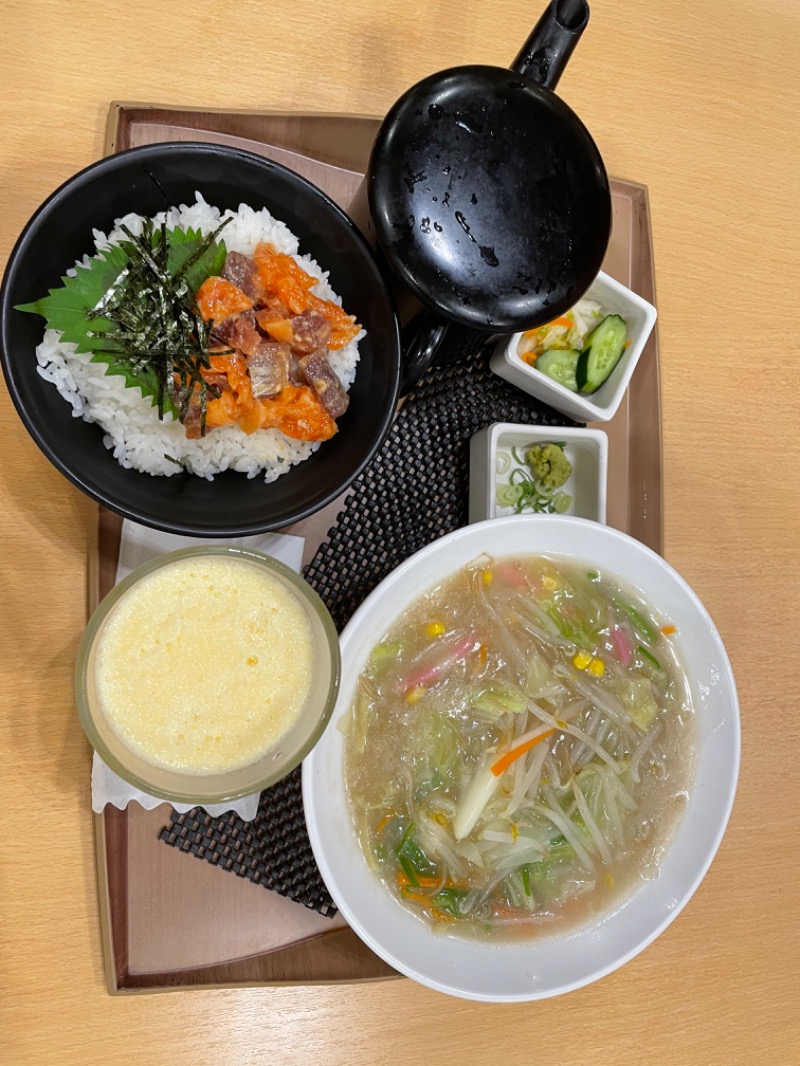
[[520, 747]]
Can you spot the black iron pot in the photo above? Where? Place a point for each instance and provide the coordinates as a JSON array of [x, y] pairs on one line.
[[487, 195]]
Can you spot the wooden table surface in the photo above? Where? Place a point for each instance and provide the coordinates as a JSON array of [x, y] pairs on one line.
[[698, 99]]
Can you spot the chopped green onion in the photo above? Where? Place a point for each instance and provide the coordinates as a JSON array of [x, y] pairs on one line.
[[519, 476], [416, 855], [404, 839], [409, 871], [502, 462], [508, 495], [517, 458], [645, 654], [638, 620], [448, 900], [525, 873]]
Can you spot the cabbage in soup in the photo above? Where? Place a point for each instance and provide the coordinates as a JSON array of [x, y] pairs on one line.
[[519, 747]]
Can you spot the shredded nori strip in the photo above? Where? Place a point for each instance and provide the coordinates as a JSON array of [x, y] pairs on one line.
[[157, 325]]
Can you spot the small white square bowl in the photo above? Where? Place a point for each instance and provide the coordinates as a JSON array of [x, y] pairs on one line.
[[586, 449], [600, 406]]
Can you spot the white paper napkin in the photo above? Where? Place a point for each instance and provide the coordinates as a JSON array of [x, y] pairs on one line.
[[137, 546]]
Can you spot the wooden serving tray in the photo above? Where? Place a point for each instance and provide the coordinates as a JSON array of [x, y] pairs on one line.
[[169, 920]]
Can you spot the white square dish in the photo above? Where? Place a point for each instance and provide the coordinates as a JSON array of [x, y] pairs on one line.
[[599, 406], [586, 449]]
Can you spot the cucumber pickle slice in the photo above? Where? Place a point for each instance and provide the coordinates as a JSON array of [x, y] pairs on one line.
[[604, 348], [560, 365]]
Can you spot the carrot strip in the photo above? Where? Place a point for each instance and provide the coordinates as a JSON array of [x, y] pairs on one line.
[[423, 882], [436, 913], [427, 882], [384, 822], [669, 630], [513, 754], [417, 897]]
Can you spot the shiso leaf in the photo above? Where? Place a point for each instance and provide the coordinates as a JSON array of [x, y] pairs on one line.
[[70, 308], [140, 378], [182, 245]]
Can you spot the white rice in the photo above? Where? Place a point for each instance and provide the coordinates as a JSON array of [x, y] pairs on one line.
[[133, 430]]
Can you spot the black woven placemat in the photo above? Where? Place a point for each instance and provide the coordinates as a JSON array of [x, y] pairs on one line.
[[414, 490]]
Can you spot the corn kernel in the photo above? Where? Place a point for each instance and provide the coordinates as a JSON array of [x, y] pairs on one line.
[[434, 629], [487, 576], [581, 660], [416, 694], [597, 667]]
